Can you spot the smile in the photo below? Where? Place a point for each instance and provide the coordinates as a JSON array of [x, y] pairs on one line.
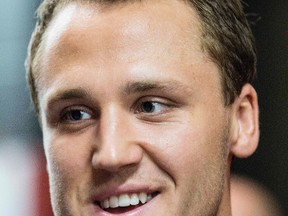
[[123, 203], [125, 200]]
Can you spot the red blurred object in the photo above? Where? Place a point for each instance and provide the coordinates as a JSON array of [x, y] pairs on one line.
[[43, 197]]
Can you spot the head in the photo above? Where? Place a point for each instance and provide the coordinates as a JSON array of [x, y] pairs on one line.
[[143, 97]]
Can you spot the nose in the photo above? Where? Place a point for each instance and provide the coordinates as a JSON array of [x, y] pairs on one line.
[[117, 146]]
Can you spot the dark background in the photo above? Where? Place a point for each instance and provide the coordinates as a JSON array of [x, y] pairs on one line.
[[269, 165]]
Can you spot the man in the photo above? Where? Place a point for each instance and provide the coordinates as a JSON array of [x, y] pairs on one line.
[[143, 104]]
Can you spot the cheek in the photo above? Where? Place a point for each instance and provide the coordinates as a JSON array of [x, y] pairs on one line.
[[67, 157], [188, 149]]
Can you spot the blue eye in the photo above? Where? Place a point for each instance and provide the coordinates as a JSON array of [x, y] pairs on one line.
[[151, 107], [77, 115]]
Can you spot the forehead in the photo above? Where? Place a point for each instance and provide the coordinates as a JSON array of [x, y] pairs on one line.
[[124, 24], [159, 33]]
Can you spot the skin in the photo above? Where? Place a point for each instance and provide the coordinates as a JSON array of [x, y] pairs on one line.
[[153, 118], [246, 194]]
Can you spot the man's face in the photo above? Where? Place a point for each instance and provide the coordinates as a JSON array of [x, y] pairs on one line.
[[132, 112]]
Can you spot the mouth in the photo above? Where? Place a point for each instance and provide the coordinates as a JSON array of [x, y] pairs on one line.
[[124, 203]]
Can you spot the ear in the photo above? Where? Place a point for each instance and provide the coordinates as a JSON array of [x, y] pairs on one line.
[[245, 123]]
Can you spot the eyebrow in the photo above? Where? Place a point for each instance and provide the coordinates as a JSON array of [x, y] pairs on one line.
[[128, 89], [144, 86], [68, 94]]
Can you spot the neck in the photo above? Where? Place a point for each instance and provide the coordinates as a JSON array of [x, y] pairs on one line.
[[225, 205]]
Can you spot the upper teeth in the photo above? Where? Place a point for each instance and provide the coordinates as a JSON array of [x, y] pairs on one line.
[[125, 200]]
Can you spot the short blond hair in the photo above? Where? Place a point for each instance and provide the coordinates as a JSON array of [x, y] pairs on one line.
[[226, 37]]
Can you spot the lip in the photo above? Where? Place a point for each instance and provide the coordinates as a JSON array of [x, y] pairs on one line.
[[145, 209], [124, 189]]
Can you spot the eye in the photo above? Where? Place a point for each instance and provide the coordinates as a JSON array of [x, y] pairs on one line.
[[151, 107], [76, 115], [155, 109]]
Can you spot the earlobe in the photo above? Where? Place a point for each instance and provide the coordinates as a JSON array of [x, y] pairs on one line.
[[245, 126]]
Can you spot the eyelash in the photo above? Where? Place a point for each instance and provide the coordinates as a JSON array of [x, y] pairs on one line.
[[64, 116], [158, 102]]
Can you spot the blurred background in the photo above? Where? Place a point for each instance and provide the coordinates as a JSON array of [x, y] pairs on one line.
[[23, 179]]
